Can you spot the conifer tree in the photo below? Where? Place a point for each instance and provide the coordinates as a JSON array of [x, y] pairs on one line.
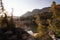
[[11, 19], [53, 8], [40, 27], [4, 21], [11, 23]]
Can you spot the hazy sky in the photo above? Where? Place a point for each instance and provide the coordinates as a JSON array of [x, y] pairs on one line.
[[22, 6]]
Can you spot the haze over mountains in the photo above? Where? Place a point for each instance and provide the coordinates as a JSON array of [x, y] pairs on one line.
[[38, 11], [35, 11]]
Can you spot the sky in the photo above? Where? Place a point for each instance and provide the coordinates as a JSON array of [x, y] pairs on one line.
[[20, 7]]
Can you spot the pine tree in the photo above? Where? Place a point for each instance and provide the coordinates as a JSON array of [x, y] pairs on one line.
[[4, 21], [55, 19], [11, 19], [53, 8], [40, 28], [11, 23], [52, 22]]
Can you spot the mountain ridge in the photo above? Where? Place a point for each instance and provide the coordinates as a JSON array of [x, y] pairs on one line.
[[35, 11]]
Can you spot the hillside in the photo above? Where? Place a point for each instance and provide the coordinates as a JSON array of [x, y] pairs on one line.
[[39, 11], [44, 14], [36, 11]]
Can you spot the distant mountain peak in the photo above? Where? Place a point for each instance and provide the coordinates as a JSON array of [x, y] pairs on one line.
[[39, 11]]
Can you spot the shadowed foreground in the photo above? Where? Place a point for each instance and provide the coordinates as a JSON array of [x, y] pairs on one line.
[[14, 34]]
